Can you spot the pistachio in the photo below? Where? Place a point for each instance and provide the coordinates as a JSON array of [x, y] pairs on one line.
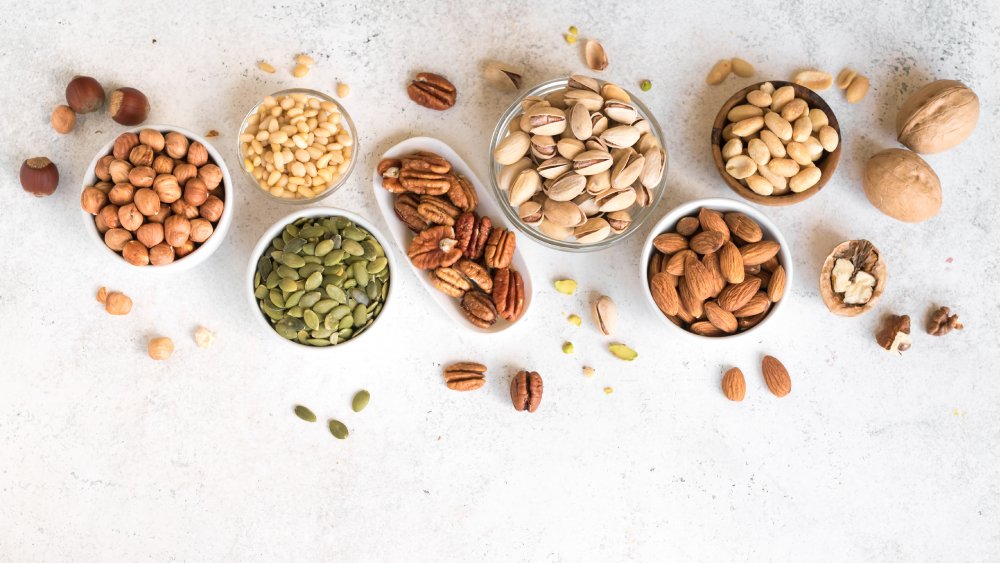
[[592, 162], [563, 213], [621, 111], [595, 56], [600, 123], [590, 99], [645, 85], [593, 230], [619, 221], [502, 76], [566, 286], [627, 169], [510, 172], [574, 319], [526, 185], [615, 200], [580, 124], [543, 147], [599, 182], [620, 137], [605, 315], [567, 348], [557, 232], [623, 352], [555, 167], [654, 163], [546, 120], [581, 82], [530, 213], [566, 187], [512, 148]]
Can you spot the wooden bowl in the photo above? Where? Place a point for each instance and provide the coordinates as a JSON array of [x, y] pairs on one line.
[[827, 163]]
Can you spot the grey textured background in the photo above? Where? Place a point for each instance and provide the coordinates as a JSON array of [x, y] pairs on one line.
[[106, 455]]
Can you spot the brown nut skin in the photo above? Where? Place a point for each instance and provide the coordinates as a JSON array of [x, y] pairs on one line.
[[39, 176], [161, 215], [167, 188], [161, 254], [160, 348], [147, 202], [163, 164], [184, 171], [109, 216], [465, 376], [941, 322], [902, 185], [211, 175], [462, 193], [197, 154], [892, 326], [92, 200], [176, 230], [500, 248], [102, 170], [84, 94], [864, 255], [432, 91], [122, 194], [184, 209], [450, 281], [184, 249], [195, 192], [176, 145], [938, 116], [405, 207], [201, 230], [124, 144], [63, 119], [433, 248], [479, 309], [141, 176], [128, 106], [508, 294], [118, 304], [135, 253], [130, 217], [119, 169], [150, 234], [141, 155], [212, 209], [526, 391], [476, 274], [116, 239], [152, 138]]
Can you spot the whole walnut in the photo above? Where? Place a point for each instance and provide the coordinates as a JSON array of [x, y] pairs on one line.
[[938, 116], [902, 185]]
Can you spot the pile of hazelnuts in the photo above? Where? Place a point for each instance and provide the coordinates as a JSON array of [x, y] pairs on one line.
[[158, 196]]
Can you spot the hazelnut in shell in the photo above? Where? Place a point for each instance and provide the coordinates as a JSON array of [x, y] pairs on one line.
[[864, 257], [128, 106], [124, 144], [161, 254], [195, 192], [121, 194], [902, 185], [153, 139], [39, 176], [150, 234], [197, 154], [84, 94], [63, 119], [176, 144], [201, 229], [130, 217], [167, 188], [109, 216], [176, 230], [212, 209], [938, 116], [92, 200], [102, 169], [135, 253], [116, 239], [147, 202]]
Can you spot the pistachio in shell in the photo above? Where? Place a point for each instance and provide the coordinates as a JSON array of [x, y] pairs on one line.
[[938, 116], [865, 258], [502, 76], [595, 56], [902, 185]]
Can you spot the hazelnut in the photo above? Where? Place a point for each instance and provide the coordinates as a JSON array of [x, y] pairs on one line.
[[167, 188], [184, 249], [150, 235], [102, 227], [938, 116], [116, 239], [176, 230], [141, 176], [160, 348], [92, 200], [109, 216], [117, 303], [63, 119], [176, 144], [119, 170], [184, 172], [104, 187], [902, 185], [128, 106], [160, 215], [211, 175], [39, 176], [147, 202], [84, 94], [195, 192], [183, 208], [163, 164], [101, 170], [197, 154], [141, 155], [152, 138], [124, 145], [212, 209], [102, 295], [161, 254], [122, 194], [135, 253], [130, 217], [201, 229], [203, 337]]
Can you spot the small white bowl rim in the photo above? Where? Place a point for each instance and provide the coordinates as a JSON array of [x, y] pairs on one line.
[[201, 253], [725, 205], [277, 227]]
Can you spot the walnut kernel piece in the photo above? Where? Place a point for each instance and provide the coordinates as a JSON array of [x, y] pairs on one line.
[[941, 322], [894, 335]]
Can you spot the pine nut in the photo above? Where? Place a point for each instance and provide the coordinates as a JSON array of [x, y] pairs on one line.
[[304, 60], [343, 90], [265, 66]]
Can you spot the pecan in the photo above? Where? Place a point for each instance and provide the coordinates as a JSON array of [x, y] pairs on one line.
[[405, 207], [437, 211], [462, 193], [388, 169], [424, 183], [508, 294], [476, 273], [472, 233], [526, 391], [450, 281], [465, 376], [479, 309], [426, 161], [499, 248], [433, 248], [942, 322], [432, 91]]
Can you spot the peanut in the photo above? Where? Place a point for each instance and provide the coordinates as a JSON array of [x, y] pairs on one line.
[[720, 71], [813, 79], [857, 89], [805, 179], [741, 167]]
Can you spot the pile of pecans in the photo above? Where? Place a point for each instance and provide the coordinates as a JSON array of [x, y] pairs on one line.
[[158, 197], [467, 256]]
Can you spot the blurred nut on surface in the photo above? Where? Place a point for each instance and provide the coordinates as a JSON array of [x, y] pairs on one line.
[[63, 119], [526, 391], [117, 303], [942, 322], [84, 94], [160, 348], [894, 336], [128, 106], [39, 176]]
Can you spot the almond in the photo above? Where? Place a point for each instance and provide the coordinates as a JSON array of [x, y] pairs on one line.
[[712, 220], [743, 227], [698, 278], [731, 263], [738, 295], [722, 319], [675, 265], [692, 307], [705, 328], [746, 323], [664, 293], [688, 226], [756, 253], [711, 262], [757, 305], [776, 286], [706, 242], [734, 386], [669, 243], [771, 264], [657, 264], [776, 376]]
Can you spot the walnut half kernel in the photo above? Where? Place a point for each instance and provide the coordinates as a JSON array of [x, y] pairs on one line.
[[857, 286], [895, 334], [853, 277]]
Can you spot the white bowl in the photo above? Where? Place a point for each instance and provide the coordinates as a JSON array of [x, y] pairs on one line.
[[724, 205], [275, 229], [206, 249]]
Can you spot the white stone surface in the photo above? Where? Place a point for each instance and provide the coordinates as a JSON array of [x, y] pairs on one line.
[[108, 456]]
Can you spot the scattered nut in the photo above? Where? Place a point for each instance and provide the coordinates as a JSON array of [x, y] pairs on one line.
[[465, 376], [39, 176], [567, 348], [609, 390], [502, 76], [566, 286], [305, 413], [128, 106], [734, 386], [84, 94], [160, 348], [588, 371], [902, 185], [570, 38], [432, 91], [742, 68], [116, 303], [815, 80], [605, 315], [593, 53], [203, 337], [304, 60], [623, 352], [343, 90], [63, 119], [941, 322], [645, 85], [719, 72], [300, 70], [102, 295], [852, 278], [526, 391], [894, 335], [266, 67], [776, 376], [211, 134], [938, 116]]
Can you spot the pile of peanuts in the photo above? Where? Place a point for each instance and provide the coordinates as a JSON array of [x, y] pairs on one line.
[[773, 141], [296, 146]]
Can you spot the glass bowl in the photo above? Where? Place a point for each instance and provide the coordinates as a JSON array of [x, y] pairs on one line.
[[345, 120], [639, 214]]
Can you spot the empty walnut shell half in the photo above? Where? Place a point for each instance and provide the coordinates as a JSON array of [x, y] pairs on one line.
[[865, 258]]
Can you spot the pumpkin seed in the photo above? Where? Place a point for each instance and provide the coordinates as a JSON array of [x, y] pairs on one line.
[[353, 233], [323, 247], [286, 272], [313, 281], [324, 306], [360, 401], [260, 292], [315, 231], [310, 299], [305, 414], [361, 273], [295, 312], [377, 265], [293, 299], [311, 319], [288, 285], [338, 429], [294, 245], [353, 247], [276, 298]]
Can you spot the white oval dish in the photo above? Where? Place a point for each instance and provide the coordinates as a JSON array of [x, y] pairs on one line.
[[201, 253], [724, 205], [276, 229], [451, 306]]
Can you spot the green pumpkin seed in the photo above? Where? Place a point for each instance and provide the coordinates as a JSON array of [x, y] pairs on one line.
[[324, 306], [340, 311], [360, 315], [361, 273], [369, 250], [360, 401], [276, 299], [264, 267], [345, 333], [304, 413], [295, 311], [346, 322], [292, 260], [294, 245], [310, 299], [309, 249], [313, 281], [321, 332], [293, 229], [334, 257], [272, 280], [311, 261], [293, 299], [353, 233], [286, 272], [373, 290], [260, 292], [278, 243], [360, 296], [288, 285], [336, 293], [338, 429], [377, 265], [318, 342], [311, 319], [272, 313], [315, 231], [323, 247], [350, 283], [353, 247]]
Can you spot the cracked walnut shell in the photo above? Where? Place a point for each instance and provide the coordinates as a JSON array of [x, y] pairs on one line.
[[864, 259]]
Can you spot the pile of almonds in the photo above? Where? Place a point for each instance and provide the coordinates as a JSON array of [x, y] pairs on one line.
[[715, 274], [158, 197]]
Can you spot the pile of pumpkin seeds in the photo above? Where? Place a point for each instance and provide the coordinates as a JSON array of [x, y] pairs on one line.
[[323, 281]]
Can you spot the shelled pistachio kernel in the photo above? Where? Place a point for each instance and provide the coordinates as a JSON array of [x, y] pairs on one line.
[[567, 347], [296, 145], [323, 281], [574, 319]]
